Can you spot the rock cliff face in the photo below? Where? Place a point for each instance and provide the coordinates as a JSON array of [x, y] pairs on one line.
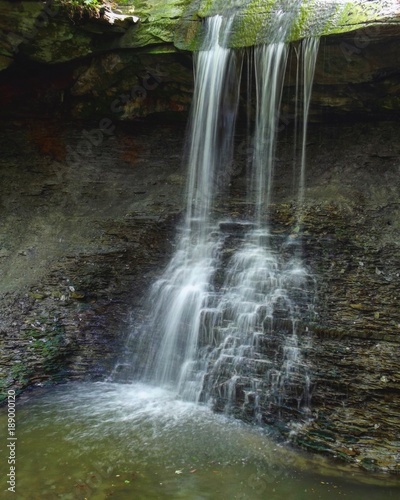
[[352, 247], [92, 188], [80, 244], [53, 61]]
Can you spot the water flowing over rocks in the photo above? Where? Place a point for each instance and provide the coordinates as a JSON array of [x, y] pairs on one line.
[[89, 207]]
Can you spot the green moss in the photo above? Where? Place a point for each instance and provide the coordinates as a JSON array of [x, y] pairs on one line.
[[42, 358], [356, 14], [20, 373], [158, 23], [160, 49], [209, 8], [187, 33], [301, 21], [154, 10], [17, 377], [250, 27], [253, 22]]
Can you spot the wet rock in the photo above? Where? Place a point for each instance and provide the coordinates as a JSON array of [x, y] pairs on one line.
[[351, 345], [97, 254]]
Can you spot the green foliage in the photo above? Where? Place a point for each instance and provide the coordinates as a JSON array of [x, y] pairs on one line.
[[81, 8], [81, 3]]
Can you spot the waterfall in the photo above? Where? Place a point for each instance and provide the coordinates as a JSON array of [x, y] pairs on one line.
[[181, 295], [254, 350], [225, 315], [309, 58]]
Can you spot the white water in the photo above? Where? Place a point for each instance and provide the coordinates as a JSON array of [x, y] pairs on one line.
[[212, 122], [226, 330], [180, 295], [309, 58]]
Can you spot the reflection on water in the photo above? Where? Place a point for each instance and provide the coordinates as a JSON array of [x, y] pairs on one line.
[[100, 441]]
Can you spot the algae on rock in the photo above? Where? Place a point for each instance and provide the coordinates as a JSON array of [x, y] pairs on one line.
[[252, 19], [46, 33]]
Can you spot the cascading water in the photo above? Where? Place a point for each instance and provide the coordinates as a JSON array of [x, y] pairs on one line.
[[255, 355], [180, 296], [309, 57], [226, 330]]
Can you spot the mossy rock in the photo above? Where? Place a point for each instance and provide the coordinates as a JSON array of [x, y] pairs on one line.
[[158, 22], [53, 36], [255, 21]]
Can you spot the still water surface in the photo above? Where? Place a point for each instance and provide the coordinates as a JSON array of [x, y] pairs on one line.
[[101, 440]]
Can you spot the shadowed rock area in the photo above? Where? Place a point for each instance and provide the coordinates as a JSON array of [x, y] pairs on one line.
[[79, 245]]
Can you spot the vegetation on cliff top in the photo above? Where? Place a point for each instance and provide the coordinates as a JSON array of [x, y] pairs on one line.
[[80, 8]]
